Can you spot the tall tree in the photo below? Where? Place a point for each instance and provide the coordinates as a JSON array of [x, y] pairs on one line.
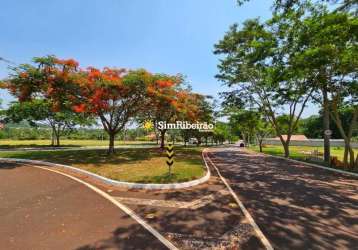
[[113, 95], [44, 90], [168, 100], [162, 101], [329, 55], [39, 112], [256, 62]]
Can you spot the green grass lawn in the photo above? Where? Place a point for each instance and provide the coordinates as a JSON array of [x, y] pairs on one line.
[[300, 152], [9, 144], [130, 164]]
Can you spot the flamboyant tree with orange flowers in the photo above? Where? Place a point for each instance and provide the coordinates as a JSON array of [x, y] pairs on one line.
[[168, 100], [115, 96], [43, 92], [60, 92], [195, 108], [162, 101]]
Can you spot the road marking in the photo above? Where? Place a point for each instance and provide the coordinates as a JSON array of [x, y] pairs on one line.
[[258, 231], [128, 211]]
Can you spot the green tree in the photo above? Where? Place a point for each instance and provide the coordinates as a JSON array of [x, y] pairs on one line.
[[251, 124], [256, 65], [289, 4], [221, 132], [39, 112], [43, 90], [312, 126], [330, 57]]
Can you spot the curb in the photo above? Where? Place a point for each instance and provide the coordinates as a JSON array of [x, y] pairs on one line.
[[129, 185], [309, 164]]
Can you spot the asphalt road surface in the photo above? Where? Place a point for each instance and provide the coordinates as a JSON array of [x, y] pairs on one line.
[[295, 205], [40, 209]]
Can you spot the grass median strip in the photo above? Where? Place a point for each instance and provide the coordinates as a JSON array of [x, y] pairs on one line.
[[304, 153], [14, 144], [130, 164], [300, 152]]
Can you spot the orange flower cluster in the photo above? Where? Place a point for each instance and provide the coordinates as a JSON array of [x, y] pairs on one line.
[[97, 91], [165, 83], [113, 75], [67, 62], [24, 75], [93, 74], [79, 108]]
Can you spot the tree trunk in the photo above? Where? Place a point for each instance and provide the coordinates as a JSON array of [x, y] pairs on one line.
[[58, 139], [157, 137], [326, 120], [346, 152], [53, 137], [111, 143], [286, 147], [351, 158], [56, 136], [199, 141], [260, 145], [162, 138]]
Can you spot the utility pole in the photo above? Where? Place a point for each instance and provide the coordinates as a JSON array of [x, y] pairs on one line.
[[326, 128]]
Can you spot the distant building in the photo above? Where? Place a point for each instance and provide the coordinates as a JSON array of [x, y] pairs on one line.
[[301, 140], [151, 136], [293, 138]]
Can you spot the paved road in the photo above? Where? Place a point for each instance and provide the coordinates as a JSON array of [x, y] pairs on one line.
[[44, 210], [296, 206]]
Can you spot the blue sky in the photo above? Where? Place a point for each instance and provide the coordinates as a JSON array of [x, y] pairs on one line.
[[168, 36]]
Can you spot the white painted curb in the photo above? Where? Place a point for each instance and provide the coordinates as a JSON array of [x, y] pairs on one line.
[[124, 208], [309, 164], [257, 230], [123, 184]]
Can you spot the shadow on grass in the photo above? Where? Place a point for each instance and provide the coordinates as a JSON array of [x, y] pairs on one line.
[[189, 160], [304, 158], [164, 178], [22, 146]]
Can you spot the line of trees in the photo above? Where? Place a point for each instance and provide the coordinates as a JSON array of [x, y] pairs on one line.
[[304, 54], [61, 95]]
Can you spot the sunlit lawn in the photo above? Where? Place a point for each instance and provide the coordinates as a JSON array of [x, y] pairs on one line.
[[300, 152], [130, 164], [64, 143]]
